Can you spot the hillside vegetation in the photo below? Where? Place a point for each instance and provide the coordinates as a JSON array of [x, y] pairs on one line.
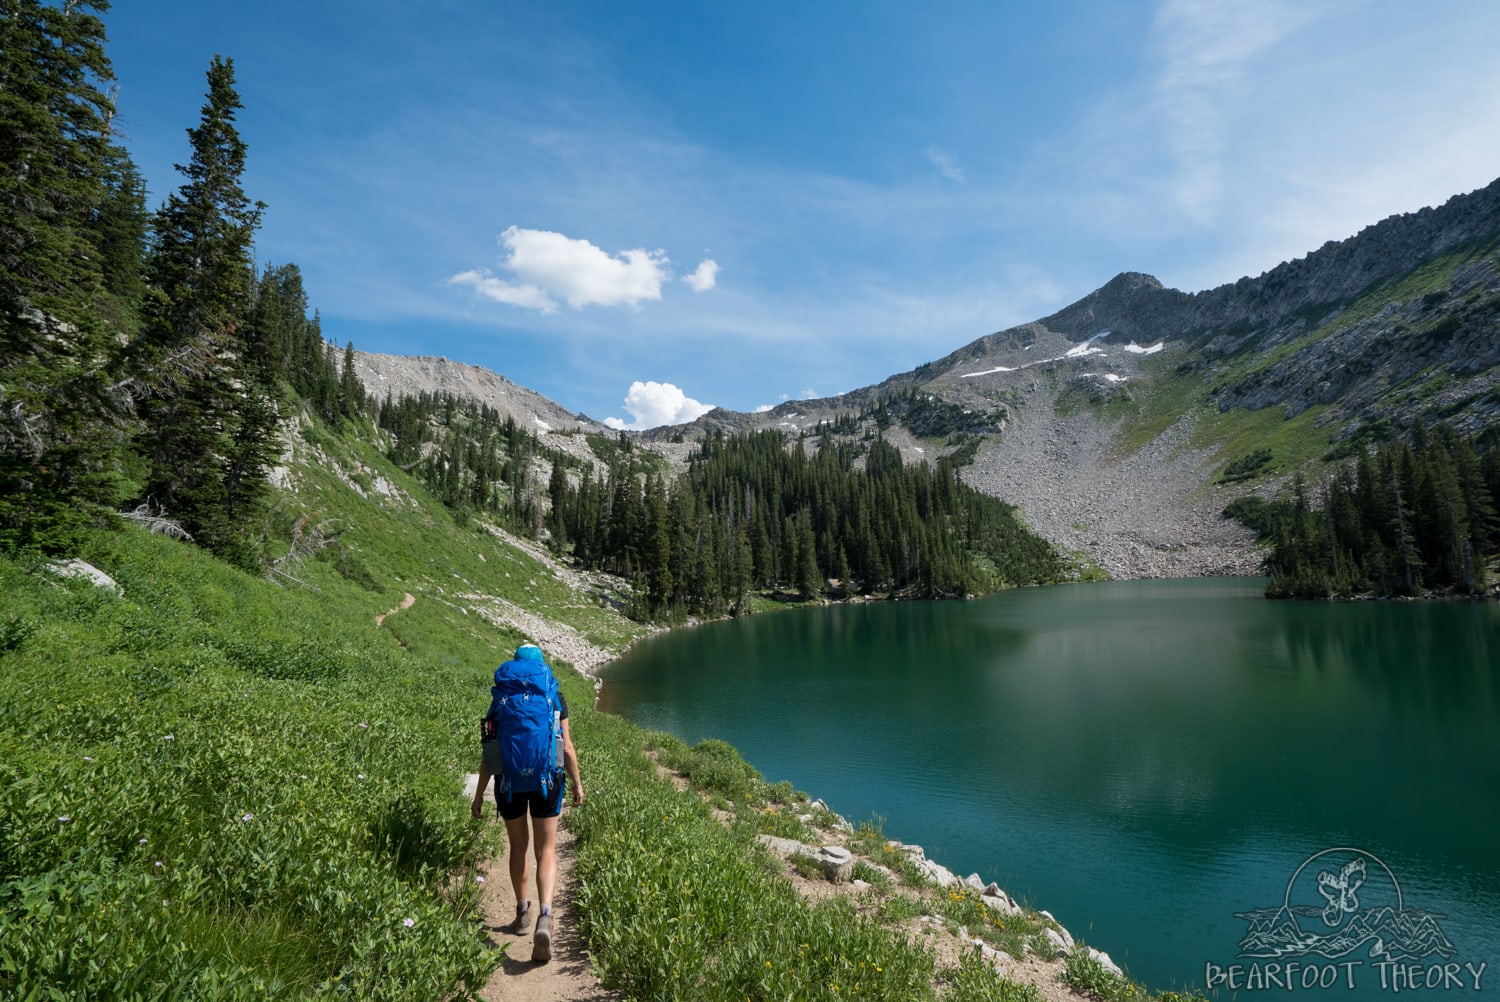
[[754, 512], [219, 784], [223, 784]]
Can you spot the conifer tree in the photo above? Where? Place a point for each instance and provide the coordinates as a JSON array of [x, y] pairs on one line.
[[351, 390], [61, 314], [209, 417]]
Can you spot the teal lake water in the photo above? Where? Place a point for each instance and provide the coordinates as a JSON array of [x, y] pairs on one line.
[[1143, 759]]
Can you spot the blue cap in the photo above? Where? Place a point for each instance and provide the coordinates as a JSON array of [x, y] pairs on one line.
[[528, 652]]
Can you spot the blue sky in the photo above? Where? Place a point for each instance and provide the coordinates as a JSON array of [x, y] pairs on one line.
[[641, 210]]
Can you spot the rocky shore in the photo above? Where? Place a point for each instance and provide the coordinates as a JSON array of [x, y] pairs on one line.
[[837, 864]]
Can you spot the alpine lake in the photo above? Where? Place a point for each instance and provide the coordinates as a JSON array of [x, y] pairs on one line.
[[1222, 792]]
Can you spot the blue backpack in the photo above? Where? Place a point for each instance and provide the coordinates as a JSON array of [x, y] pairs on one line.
[[527, 721]]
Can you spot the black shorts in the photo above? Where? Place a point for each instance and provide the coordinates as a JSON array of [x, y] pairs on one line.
[[516, 807]]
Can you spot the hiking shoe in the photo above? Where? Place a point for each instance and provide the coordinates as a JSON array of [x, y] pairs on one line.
[[541, 950], [523, 918]]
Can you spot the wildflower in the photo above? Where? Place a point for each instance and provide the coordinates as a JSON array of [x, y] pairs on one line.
[[158, 864], [248, 816], [478, 880], [408, 922], [361, 776], [142, 842], [304, 775]]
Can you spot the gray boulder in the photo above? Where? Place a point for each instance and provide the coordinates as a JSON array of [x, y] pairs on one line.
[[75, 568]]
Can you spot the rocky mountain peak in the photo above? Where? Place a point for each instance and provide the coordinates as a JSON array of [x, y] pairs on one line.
[[1132, 304]]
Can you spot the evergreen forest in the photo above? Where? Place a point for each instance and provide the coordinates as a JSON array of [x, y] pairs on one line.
[[756, 511], [145, 361], [1405, 518]]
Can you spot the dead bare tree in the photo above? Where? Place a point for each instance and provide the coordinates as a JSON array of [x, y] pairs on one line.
[[306, 541], [154, 517]]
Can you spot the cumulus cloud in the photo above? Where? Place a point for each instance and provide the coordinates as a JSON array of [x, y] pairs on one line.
[[704, 276], [490, 287], [654, 404], [943, 161], [546, 267]]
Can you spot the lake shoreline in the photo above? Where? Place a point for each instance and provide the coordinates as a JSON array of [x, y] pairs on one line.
[[1118, 728], [1061, 939]]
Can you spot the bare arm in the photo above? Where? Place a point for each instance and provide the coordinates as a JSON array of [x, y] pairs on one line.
[[477, 807], [570, 763]]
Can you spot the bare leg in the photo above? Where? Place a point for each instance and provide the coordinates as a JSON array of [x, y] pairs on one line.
[[546, 858], [518, 835]]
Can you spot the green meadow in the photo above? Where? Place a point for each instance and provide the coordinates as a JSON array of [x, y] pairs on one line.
[[216, 785]]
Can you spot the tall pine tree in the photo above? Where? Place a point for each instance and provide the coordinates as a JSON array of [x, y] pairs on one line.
[[62, 184], [209, 419]]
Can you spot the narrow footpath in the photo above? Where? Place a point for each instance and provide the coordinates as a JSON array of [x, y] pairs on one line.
[[567, 975]]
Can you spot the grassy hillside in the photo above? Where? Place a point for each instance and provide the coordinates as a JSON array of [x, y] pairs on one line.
[[242, 786], [217, 785]]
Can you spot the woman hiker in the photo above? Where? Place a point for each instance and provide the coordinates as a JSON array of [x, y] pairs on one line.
[[544, 808]]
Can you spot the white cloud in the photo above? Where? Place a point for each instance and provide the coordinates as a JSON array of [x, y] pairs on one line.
[[705, 276], [550, 266], [943, 161], [490, 287], [654, 404], [1206, 48]]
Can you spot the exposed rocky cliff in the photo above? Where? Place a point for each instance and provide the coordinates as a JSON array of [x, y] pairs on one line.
[[1306, 288], [403, 375]]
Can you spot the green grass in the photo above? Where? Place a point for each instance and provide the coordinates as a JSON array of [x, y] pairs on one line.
[[220, 786], [973, 980], [1293, 443], [215, 781], [247, 787], [678, 906]]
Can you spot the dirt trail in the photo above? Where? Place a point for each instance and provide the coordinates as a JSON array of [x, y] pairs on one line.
[[568, 975], [407, 601]]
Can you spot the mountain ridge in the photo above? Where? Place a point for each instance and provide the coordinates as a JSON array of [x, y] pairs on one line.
[[1114, 451]]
